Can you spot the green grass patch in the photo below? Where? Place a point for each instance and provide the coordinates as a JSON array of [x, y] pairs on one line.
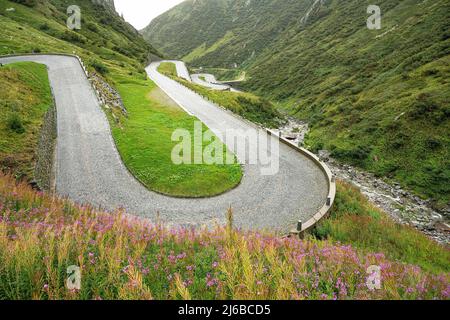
[[168, 68], [25, 97], [355, 221], [204, 50], [145, 144]]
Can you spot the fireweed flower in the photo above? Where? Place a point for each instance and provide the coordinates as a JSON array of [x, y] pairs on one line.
[[321, 270], [210, 281], [190, 268]]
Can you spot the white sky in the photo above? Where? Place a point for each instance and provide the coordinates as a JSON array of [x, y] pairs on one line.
[[140, 12]]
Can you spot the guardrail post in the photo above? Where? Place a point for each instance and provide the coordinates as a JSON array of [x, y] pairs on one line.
[[299, 226]]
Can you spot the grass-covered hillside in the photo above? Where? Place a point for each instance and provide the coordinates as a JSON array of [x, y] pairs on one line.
[[375, 98], [123, 257], [25, 97], [105, 41], [222, 32], [102, 32]]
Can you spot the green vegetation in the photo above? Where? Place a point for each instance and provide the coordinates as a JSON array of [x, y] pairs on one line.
[[117, 52], [25, 97], [144, 140], [168, 69], [102, 32], [121, 257], [105, 40], [355, 221], [378, 99], [202, 50], [246, 105], [127, 258], [222, 33]]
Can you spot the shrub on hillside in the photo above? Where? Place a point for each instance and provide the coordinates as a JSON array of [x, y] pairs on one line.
[[15, 124], [73, 37], [44, 27], [356, 154], [260, 111], [92, 26], [28, 3], [100, 67]]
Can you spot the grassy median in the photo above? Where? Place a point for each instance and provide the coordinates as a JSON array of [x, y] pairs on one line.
[[144, 140]]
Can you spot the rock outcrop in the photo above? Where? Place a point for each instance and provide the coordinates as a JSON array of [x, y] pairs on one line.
[[107, 4]]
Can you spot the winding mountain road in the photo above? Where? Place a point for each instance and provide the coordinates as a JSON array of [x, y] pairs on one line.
[[89, 168], [210, 81]]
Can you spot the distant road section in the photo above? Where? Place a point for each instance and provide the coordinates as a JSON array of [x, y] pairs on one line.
[[182, 70], [89, 168], [210, 81]]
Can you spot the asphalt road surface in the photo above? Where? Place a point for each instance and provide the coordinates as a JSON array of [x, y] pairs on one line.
[[89, 169]]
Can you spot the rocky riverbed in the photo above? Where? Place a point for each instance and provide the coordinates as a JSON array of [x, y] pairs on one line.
[[400, 204]]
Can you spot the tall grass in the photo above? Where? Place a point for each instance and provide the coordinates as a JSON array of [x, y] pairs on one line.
[[25, 97], [124, 257], [357, 222]]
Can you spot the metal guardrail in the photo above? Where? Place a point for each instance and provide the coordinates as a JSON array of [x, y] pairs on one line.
[[325, 210]]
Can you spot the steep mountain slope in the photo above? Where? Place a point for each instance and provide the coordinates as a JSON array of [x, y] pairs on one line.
[[222, 32], [375, 98], [102, 32]]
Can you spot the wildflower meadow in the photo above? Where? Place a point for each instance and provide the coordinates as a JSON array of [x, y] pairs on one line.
[[125, 257]]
